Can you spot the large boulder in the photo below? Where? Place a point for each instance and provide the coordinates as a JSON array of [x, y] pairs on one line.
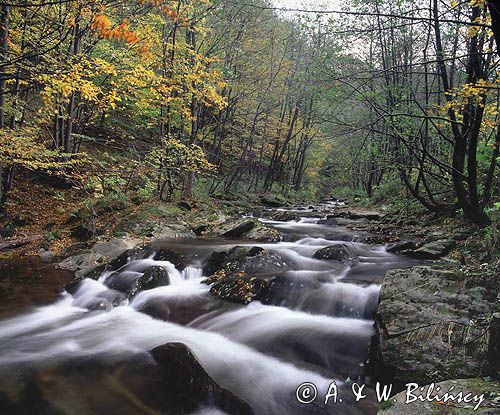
[[262, 233], [432, 250], [252, 260], [273, 201], [163, 231], [153, 277], [248, 228], [157, 253], [340, 253], [235, 228], [167, 254], [124, 258], [115, 247], [355, 213], [82, 263], [401, 246], [431, 327]]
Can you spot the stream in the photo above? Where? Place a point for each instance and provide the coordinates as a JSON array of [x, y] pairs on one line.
[[73, 357]]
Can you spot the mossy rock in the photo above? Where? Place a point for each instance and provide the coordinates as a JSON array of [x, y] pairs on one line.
[[236, 287]]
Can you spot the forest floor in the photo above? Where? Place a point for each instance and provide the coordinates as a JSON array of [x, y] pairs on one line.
[[52, 218]]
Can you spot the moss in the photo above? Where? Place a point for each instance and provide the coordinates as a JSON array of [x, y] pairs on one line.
[[384, 406]]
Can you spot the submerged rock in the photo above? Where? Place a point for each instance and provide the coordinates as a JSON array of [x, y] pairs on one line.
[[182, 310], [340, 253]]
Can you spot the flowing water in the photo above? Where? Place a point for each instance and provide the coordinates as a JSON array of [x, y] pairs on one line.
[[315, 327]]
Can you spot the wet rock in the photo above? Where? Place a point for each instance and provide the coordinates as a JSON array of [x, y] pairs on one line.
[[237, 287], [190, 384], [476, 387], [130, 283], [397, 247], [153, 277], [82, 263], [171, 382], [263, 264], [115, 298], [98, 304], [166, 254], [251, 260], [124, 258], [264, 233], [73, 286], [96, 272], [340, 253], [235, 228], [285, 216], [432, 250], [329, 220], [430, 328], [214, 262]]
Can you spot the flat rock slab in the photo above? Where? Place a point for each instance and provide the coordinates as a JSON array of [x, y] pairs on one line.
[[247, 228], [115, 246], [477, 387], [82, 263], [431, 327], [357, 213]]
